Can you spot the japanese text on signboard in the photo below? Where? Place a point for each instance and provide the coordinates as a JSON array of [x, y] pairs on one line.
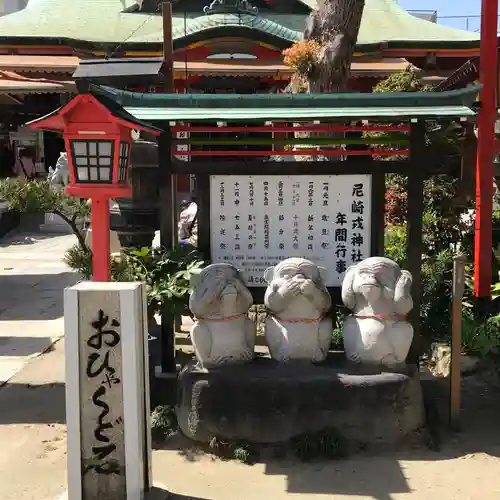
[[257, 221]]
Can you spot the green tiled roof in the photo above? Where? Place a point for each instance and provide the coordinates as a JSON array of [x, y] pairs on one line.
[[215, 114], [101, 21], [232, 107]]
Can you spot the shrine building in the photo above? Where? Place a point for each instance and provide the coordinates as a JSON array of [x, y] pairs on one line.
[[220, 46]]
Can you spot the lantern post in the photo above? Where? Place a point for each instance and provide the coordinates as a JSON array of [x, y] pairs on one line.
[[98, 143]]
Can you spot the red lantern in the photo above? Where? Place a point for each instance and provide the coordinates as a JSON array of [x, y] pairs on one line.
[[98, 142]]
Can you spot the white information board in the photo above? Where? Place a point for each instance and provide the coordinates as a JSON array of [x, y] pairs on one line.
[[257, 221]]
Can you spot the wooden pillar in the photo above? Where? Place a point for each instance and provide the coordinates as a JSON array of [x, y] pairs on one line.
[[378, 214], [166, 213], [168, 184], [203, 200], [415, 214]]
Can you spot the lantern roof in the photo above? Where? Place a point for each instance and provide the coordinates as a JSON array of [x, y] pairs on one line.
[[99, 108]]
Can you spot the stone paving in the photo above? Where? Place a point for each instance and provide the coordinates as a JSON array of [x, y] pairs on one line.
[[32, 279]]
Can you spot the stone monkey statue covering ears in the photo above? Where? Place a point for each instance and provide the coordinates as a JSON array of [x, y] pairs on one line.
[[221, 334], [379, 294], [298, 300]]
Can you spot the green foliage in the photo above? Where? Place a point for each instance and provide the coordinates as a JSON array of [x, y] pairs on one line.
[[337, 340], [437, 282], [323, 444], [40, 197], [467, 243], [243, 453], [30, 197], [166, 273], [445, 204], [80, 260], [480, 336], [444, 194], [164, 422], [437, 270], [396, 239], [233, 450], [404, 81]]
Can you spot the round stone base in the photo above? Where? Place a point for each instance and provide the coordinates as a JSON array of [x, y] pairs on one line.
[[264, 402]]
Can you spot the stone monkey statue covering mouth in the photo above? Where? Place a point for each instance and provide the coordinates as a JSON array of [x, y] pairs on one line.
[[379, 294], [298, 300], [221, 334]]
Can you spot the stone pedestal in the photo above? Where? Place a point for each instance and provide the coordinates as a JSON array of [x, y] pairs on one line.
[[107, 391], [267, 402]]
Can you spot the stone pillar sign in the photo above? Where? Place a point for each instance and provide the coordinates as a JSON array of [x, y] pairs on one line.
[[107, 391]]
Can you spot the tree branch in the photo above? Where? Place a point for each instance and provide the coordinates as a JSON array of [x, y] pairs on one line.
[[74, 227]]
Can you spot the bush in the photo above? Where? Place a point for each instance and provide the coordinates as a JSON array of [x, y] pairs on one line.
[[30, 197], [166, 273], [437, 271], [435, 313], [164, 422], [480, 336], [324, 444]]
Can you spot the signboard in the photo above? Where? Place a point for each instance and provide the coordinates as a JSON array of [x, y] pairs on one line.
[[182, 148], [257, 221]]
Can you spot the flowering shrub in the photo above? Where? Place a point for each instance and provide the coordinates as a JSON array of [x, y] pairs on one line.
[[302, 56], [396, 200]]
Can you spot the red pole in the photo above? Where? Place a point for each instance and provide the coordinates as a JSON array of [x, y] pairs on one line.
[[100, 239], [486, 148]]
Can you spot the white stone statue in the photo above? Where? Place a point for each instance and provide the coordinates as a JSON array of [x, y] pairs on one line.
[[60, 175], [379, 294], [221, 333], [298, 301]]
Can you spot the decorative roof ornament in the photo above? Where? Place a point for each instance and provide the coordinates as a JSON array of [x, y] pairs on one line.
[[230, 7]]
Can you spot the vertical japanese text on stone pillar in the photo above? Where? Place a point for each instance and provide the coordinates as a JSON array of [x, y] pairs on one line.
[[102, 442]]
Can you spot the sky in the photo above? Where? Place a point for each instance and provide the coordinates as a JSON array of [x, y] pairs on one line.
[[449, 8]]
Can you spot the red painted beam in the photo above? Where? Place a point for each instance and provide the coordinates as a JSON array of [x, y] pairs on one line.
[[488, 74], [289, 128], [302, 152]]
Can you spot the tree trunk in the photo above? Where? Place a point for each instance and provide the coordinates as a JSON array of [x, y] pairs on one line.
[[335, 25]]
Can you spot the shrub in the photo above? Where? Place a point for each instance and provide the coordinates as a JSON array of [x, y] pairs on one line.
[[437, 271], [324, 444], [480, 336], [164, 422], [30, 197], [166, 273]]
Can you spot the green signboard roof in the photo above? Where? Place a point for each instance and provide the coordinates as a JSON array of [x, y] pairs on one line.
[[384, 23], [234, 107]]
